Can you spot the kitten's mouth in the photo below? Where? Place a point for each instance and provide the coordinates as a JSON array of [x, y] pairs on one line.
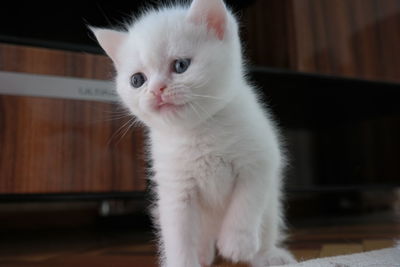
[[166, 106], [166, 103]]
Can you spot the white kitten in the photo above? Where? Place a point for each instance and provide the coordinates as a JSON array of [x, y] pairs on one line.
[[216, 154]]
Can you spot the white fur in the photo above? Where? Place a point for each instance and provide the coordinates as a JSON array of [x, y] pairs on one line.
[[217, 160]]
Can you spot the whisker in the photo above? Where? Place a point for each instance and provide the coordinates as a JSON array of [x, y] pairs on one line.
[[133, 121], [204, 82], [120, 130], [209, 116], [195, 110], [117, 117], [208, 96], [111, 117], [185, 87]]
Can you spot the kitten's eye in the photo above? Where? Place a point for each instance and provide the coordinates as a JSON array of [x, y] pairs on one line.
[[181, 65], [138, 79]]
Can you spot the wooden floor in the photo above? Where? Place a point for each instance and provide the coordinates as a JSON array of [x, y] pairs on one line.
[[121, 246]]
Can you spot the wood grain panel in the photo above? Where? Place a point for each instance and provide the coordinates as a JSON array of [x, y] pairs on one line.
[[60, 145], [266, 33], [357, 38]]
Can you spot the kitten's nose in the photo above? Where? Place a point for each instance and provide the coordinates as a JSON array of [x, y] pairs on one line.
[[158, 91]]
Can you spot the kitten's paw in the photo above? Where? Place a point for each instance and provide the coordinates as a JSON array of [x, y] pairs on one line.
[[207, 255], [238, 245], [276, 256]]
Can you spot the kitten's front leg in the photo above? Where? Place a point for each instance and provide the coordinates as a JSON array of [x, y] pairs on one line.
[[239, 238], [179, 229]]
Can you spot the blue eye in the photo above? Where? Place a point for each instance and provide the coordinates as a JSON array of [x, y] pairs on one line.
[[181, 65], [138, 79]]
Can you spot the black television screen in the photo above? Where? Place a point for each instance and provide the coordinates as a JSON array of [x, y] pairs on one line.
[[340, 133], [63, 24]]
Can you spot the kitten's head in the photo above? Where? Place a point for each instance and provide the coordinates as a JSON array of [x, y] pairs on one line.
[[176, 66]]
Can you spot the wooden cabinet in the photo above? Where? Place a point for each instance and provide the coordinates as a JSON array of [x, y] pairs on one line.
[[53, 145], [357, 38]]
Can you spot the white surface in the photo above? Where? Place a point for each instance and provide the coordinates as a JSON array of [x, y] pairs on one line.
[[389, 257], [21, 84]]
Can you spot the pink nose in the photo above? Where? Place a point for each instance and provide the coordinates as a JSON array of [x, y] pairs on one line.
[[159, 91]]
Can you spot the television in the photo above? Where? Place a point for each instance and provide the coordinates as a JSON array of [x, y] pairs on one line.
[[340, 134]]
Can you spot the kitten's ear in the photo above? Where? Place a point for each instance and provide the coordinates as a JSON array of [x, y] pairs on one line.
[[212, 12], [109, 40]]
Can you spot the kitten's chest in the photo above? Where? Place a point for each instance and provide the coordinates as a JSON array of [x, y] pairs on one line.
[[203, 166], [214, 178]]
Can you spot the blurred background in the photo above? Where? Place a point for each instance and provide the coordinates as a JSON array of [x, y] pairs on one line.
[[328, 69]]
